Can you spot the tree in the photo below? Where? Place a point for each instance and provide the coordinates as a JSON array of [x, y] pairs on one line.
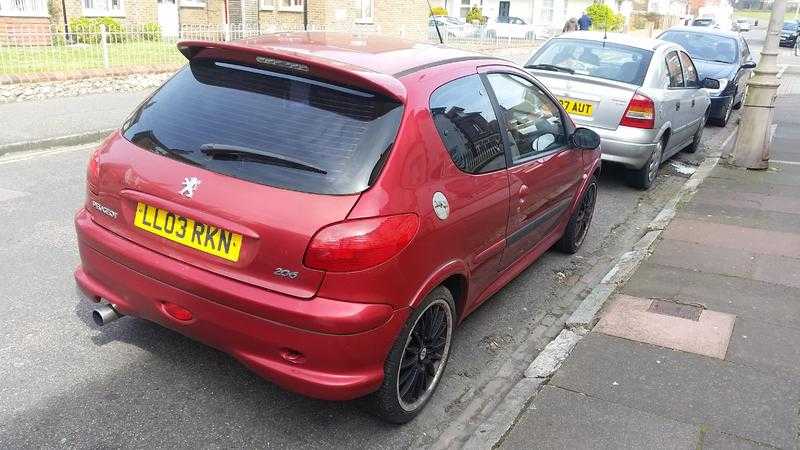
[[475, 15], [438, 11], [603, 17]]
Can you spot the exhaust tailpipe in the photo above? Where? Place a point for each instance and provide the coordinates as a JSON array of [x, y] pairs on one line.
[[104, 314]]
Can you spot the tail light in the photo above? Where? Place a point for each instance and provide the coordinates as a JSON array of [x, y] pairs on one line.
[[93, 171], [640, 113], [360, 244]]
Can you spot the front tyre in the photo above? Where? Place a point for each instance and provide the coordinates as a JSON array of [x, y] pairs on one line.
[[416, 361], [578, 225]]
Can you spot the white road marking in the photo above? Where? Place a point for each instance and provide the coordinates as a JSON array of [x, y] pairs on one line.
[[790, 163], [9, 158]]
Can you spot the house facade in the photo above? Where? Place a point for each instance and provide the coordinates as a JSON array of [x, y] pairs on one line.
[[406, 18], [550, 14]]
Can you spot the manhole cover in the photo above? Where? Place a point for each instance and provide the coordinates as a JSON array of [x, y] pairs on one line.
[[675, 310]]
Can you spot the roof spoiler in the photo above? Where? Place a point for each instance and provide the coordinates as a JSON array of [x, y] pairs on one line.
[[301, 63]]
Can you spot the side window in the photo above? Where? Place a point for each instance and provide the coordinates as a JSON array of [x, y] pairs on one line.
[[467, 125], [674, 70], [533, 120], [689, 71], [745, 49]]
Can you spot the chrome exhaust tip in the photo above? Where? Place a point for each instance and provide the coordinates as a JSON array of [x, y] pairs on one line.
[[104, 314]]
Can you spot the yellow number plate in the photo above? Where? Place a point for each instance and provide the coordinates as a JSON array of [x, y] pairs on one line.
[[206, 238], [576, 107]]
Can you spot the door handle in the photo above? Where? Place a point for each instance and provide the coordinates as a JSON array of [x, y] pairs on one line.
[[523, 191], [692, 103], [677, 106]]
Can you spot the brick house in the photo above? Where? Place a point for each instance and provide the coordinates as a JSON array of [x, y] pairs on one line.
[[407, 18]]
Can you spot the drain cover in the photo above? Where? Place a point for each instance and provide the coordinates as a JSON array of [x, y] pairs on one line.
[[675, 309]]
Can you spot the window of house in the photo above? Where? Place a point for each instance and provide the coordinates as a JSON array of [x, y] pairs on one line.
[[103, 8], [547, 11], [24, 8], [367, 11], [532, 119], [467, 125], [291, 5], [267, 5], [193, 3]]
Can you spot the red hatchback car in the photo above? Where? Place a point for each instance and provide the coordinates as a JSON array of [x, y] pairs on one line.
[[327, 208]]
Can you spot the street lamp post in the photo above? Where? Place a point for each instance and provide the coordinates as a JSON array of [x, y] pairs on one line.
[[752, 142]]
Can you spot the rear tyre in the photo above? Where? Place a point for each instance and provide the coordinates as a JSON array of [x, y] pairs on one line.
[[578, 226], [698, 135], [417, 360], [643, 178]]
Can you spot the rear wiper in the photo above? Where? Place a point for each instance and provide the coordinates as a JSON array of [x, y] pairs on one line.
[[551, 67], [259, 156]]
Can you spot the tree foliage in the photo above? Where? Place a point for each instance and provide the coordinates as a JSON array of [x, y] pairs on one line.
[[438, 11], [603, 17]]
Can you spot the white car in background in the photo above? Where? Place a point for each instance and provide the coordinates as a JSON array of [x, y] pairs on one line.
[[450, 27], [742, 25], [510, 27]]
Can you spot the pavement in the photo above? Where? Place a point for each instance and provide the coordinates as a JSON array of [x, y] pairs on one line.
[[700, 349]]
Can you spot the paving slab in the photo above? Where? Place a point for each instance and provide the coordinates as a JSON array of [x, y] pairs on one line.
[[631, 318], [768, 302], [701, 258], [713, 440], [743, 217], [779, 203], [786, 175], [735, 237], [763, 345], [778, 270], [559, 419], [759, 405]]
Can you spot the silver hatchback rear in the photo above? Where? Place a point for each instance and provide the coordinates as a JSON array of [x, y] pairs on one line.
[[624, 91]]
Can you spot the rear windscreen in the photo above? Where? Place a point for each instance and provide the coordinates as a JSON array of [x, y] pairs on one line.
[[270, 128], [597, 59]]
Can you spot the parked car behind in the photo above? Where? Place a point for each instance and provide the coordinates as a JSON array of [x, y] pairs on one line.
[[327, 208], [705, 22], [643, 97], [450, 27], [722, 55], [789, 33], [510, 27], [742, 25]]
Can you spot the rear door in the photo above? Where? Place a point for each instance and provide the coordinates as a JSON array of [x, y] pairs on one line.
[[234, 168], [543, 171], [676, 101]]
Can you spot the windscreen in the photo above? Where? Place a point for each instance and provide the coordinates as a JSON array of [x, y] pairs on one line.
[[594, 58], [790, 26], [270, 128], [705, 46]]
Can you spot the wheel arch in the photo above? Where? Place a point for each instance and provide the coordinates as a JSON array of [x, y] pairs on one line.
[[454, 276]]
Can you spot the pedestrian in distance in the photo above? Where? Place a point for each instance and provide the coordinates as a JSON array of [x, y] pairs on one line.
[[585, 22], [570, 25]]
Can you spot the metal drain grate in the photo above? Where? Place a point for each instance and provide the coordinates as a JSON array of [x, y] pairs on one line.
[[675, 309]]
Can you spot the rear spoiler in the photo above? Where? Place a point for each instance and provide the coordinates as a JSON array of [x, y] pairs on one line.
[[300, 63]]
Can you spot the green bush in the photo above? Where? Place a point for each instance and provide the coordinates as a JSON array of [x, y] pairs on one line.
[[475, 15], [151, 32], [603, 17], [86, 30], [438, 11]]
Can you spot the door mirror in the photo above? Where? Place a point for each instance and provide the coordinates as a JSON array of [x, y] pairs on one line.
[[585, 139], [710, 83], [749, 65]]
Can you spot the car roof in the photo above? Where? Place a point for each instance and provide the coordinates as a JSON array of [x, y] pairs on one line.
[[373, 52], [705, 30], [615, 38]]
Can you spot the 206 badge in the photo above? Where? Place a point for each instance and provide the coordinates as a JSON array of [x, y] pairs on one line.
[[441, 206], [190, 185]]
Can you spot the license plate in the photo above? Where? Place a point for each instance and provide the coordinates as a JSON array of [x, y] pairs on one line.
[[183, 230], [576, 107]]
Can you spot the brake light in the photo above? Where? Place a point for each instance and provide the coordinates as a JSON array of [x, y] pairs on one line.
[[360, 244], [640, 113], [93, 171]]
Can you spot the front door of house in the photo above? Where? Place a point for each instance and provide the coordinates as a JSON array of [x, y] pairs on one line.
[[505, 8], [168, 17]]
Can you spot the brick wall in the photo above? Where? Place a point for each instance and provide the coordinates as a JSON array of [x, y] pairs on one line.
[[25, 30], [213, 14], [140, 12]]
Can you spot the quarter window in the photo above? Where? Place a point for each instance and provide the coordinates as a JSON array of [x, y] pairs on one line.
[[674, 70], [533, 120], [467, 125], [689, 71]]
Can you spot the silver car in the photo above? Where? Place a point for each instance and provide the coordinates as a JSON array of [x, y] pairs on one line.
[[642, 96]]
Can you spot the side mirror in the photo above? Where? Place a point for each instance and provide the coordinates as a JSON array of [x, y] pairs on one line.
[[749, 65], [710, 83], [585, 139]]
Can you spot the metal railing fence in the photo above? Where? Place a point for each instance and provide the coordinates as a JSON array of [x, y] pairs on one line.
[[51, 49]]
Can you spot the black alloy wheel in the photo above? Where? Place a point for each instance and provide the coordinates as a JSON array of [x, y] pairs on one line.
[[578, 226]]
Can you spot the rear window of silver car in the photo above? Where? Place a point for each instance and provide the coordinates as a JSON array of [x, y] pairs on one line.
[[705, 46], [270, 128], [595, 59]]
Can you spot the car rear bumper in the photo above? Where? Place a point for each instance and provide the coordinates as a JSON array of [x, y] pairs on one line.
[[628, 146], [341, 363]]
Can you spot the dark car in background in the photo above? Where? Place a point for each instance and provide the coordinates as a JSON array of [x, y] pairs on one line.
[[789, 33], [704, 22], [721, 55]]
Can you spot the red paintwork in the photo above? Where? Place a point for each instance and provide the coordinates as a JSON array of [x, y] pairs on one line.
[[342, 324]]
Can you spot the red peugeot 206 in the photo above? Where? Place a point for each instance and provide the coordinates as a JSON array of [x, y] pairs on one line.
[[327, 208]]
